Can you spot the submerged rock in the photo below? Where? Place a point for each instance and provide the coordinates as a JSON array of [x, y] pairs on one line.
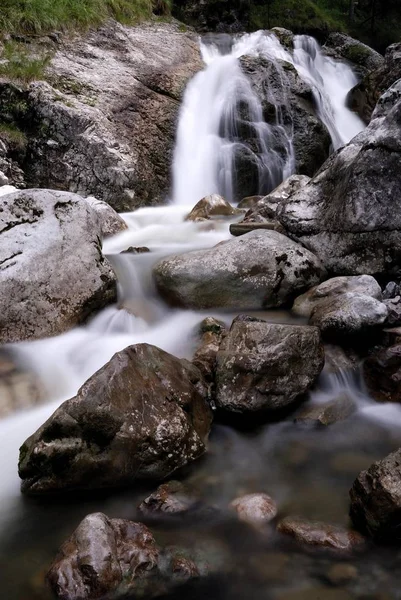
[[382, 372], [171, 498], [264, 367], [211, 206], [255, 509], [141, 416], [348, 214], [114, 558], [327, 413], [262, 269], [376, 499], [20, 388], [322, 535], [51, 264]]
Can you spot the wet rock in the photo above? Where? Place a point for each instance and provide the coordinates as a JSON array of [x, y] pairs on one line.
[[348, 213], [391, 291], [142, 416], [365, 95], [51, 264], [342, 573], [249, 202], [244, 227], [338, 359], [20, 388], [265, 367], [139, 250], [322, 535], [105, 119], [285, 36], [115, 558], [110, 221], [337, 286], [382, 373], [280, 90], [255, 509], [362, 56], [262, 269], [212, 332], [211, 206], [376, 499], [327, 413], [171, 498]]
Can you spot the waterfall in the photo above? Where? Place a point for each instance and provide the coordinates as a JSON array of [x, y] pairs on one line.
[[222, 130]]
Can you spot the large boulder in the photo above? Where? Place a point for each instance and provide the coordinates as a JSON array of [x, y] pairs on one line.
[[349, 213], [376, 499], [364, 96], [114, 558], [263, 367], [142, 416], [281, 91], [53, 273], [261, 269], [104, 122], [364, 58]]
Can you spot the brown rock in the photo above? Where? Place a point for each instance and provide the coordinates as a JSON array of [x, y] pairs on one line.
[[170, 498], [211, 206], [322, 535], [213, 332], [342, 573], [255, 509]]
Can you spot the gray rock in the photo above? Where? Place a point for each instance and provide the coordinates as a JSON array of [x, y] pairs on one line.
[[337, 286], [328, 413], [258, 270], [142, 416], [51, 264], [4, 180], [364, 96], [263, 367], [322, 535], [115, 558], [376, 499], [255, 509], [211, 206], [110, 221], [362, 56], [281, 91], [109, 111], [348, 214]]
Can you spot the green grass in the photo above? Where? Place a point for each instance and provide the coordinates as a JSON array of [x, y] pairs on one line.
[[20, 65], [42, 16], [14, 137]]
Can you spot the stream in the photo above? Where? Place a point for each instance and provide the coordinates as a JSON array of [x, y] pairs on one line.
[[307, 471]]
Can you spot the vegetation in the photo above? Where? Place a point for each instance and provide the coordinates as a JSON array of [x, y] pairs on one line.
[[42, 16], [14, 137], [19, 64]]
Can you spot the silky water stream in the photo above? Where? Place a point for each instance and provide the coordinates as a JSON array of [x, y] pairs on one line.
[[307, 471]]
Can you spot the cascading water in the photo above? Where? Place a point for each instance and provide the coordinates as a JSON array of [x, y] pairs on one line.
[[222, 125]]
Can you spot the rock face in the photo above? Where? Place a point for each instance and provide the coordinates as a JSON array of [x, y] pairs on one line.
[[256, 509], [349, 213], [107, 122], [51, 264], [322, 535], [362, 56], [376, 499], [263, 367], [364, 96], [281, 91], [110, 222], [143, 415], [114, 558], [258, 270], [382, 372]]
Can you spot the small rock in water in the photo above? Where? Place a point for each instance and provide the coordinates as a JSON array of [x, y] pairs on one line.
[[256, 509], [322, 535], [394, 311], [170, 498], [19, 387], [342, 573], [328, 413], [139, 250], [391, 291], [249, 201], [211, 206], [376, 499]]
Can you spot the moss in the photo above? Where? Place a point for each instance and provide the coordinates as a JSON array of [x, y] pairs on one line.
[[357, 53]]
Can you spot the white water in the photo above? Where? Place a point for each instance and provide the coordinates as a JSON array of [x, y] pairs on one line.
[[209, 142]]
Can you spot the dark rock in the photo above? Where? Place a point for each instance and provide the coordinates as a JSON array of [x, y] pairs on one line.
[[263, 367], [260, 269], [338, 359], [255, 509], [171, 498], [394, 311], [376, 499], [364, 96], [382, 372], [222, 16], [113, 559], [51, 264], [322, 535], [143, 415], [348, 214], [242, 228], [391, 291], [139, 250], [342, 573], [328, 413], [212, 332]]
